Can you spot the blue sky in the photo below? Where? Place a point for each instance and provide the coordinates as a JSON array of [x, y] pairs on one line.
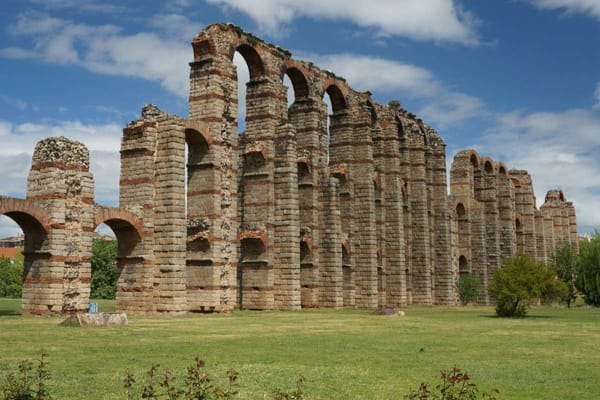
[[517, 80]]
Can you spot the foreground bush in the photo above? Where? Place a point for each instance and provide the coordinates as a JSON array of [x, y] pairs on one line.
[[25, 384], [468, 289], [565, 264], [455, 385], [520, 280]]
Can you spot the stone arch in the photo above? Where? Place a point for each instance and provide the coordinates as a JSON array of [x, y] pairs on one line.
[[488, 165], [463, 266], [134, 283], [400, 128], [337, 96], [126, 226], [502, 169], [31, 218], [254, 61], [372, 111], [474, 159], [297, 76]]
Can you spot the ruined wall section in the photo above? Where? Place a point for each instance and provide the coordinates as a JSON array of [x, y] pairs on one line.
[[559, 221], [57, 280], [496, 217]]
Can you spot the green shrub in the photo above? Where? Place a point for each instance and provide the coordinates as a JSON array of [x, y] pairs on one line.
[[104, 269], [468, 288], [455, 385], [24, 384], [565, 264], [11, 277], [521, 279], [588, 270]]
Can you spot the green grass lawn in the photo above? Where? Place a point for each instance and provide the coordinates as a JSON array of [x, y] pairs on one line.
[[350, 354]]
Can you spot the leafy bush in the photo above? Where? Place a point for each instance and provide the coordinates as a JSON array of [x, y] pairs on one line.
[[521, 279], [24, 385], [468, 288], [565, 263], [455, 385], [11, 277], [104, 269], [588, 269]]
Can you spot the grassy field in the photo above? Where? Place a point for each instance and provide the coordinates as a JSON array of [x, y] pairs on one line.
[[350, 354]]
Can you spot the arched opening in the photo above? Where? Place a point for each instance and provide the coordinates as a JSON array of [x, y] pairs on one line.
[[488, 167], [502, 170], [474, 161], [519, 236], [132, 280], [243, 77], [463, 266], [372, 112], [21, 257], [400, 128], [463, 226], [347, 276], [104, 270]]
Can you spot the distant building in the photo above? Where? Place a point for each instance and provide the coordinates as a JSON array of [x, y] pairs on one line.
[[13, 241]]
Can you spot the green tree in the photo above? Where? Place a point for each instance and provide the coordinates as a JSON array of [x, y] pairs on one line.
[[565, 263], [588, 269], [468, 288], [521, 279], [104, 269], [11, 276]]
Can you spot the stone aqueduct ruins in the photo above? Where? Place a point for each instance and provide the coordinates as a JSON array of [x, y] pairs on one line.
[[293, 212]]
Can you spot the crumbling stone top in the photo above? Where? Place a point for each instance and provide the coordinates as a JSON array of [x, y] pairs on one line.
[[61, 150]]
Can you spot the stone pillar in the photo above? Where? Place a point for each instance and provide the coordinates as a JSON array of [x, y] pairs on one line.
[[169, 217], [332, 294], [392, 208], [445, 289], [135, 285], [57, 273], [304, 115], [287, 223], [365, 233], [212, 193], [421, 243], [341, 155], [525, 205], [506, 216]]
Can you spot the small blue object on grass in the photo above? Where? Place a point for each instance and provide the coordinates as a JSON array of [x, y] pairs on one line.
[[93, 307]]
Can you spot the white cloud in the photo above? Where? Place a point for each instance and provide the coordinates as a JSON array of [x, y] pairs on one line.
[[589, 7], [105, 49], [559, 149], [91, 6], [443, 106], [431, 20], [18, 143]]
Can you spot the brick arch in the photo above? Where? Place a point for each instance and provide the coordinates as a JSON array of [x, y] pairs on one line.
[[126, 226], [337, 93], [372, 110], [488, 165], [501, 168], [31, 218], [196, 132], [297, 75], [255, 63]]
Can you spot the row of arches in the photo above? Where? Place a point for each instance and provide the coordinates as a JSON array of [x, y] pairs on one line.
[[34, 222]]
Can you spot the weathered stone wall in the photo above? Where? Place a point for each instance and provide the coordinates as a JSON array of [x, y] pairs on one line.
[[496, 217], [301, 209]]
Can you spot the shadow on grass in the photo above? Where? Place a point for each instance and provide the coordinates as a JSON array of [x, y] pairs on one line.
[[9, 313], [494, 316]]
